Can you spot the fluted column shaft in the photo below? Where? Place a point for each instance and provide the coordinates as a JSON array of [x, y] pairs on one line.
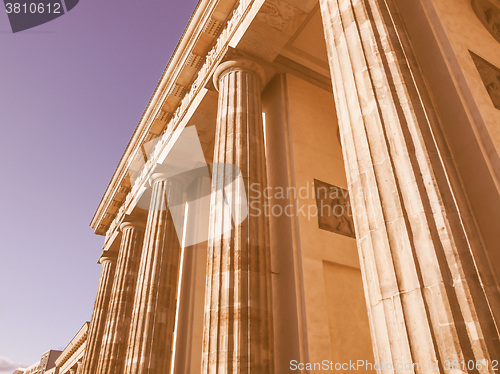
[[415, 237], [101, 306], [79, 367], [153, 319], [238, 324], [114, 345]]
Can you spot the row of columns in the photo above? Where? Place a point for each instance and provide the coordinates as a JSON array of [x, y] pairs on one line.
[[116, 331], [132, 326], [425, 297]]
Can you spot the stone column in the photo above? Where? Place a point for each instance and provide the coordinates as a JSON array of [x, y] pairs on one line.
[[425, 299], [101, 305], [153, 317], [79, 367], [238, 324], [114, 346]]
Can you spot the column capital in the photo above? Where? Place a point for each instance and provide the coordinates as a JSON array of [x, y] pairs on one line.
[[108, 256], [172, 180], [156, 177], [133, 224], [239, 64]]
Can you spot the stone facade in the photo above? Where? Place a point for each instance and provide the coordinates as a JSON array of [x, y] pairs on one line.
[[378, 99], [46, 365]]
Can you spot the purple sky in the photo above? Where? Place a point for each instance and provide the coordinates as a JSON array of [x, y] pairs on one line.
[[72, 92]]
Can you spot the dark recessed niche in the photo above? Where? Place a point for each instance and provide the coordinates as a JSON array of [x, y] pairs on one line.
[[334, 209], [490, 76]]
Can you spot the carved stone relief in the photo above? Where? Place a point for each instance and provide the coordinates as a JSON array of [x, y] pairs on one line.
[[489, 14], [490, 75], [334, 209]]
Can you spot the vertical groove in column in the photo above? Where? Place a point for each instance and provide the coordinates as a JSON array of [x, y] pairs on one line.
[[98, 321], [238, 325], [114, 346], [423, 293], [153, 318]]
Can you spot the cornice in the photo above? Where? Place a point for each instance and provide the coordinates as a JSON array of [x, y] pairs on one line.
[[197, 40], [74, 345]]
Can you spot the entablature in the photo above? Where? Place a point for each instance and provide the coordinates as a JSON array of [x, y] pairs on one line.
[[279, 19], [179, 118], [198, 38]]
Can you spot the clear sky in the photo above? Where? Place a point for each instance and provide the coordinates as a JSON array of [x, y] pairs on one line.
[[72, 92]]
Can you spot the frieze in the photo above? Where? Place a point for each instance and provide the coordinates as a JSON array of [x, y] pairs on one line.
[[489, 15], [334, 209], [279, 15], [490, 75]]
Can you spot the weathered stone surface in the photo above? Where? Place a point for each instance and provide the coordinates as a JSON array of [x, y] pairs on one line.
[[101, 306], [151, 331], [410, 237], [114, 345], [237, 330], [429, 290]]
